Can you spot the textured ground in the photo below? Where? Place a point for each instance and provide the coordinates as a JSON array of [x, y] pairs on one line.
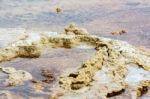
[[100, 17], [63, 66]]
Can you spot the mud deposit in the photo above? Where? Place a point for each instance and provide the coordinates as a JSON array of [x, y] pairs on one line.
[[73, 65]]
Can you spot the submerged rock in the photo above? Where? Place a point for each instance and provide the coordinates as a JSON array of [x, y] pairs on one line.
[[16, 77], [9, 95]]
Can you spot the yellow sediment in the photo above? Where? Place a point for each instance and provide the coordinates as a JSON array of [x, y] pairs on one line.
[[113, 54]]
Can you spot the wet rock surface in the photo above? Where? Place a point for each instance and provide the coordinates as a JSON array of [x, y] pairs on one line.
[[104, 74], [117, 70], [55, 61]]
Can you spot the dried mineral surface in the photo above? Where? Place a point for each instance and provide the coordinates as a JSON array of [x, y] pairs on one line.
[[106, 74]]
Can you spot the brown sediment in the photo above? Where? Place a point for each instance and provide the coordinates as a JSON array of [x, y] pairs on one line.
[[58, 10], [38, 85], [142, 88], [112, 54], [114, 33], [123, 31], [49, 76], [114, 93]]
